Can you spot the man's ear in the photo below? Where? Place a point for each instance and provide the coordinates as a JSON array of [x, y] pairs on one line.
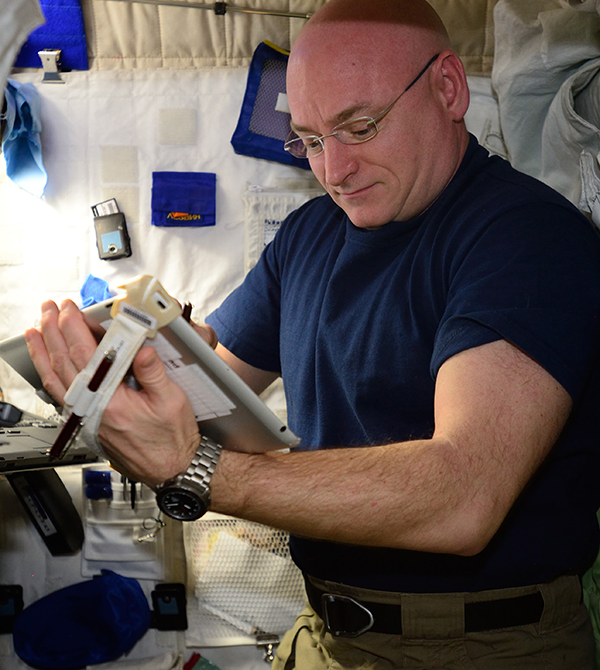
[[453, 85]]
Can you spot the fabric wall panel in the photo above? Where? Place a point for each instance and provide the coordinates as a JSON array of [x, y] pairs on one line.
[[139, 36], [133, 35], [190, 38], [471, 28], [121, 35]]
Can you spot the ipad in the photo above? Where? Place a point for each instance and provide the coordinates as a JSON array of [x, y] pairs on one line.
[[226, 409]]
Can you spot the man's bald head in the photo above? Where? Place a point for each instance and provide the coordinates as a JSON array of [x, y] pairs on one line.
[[387, 34], [417, 13]]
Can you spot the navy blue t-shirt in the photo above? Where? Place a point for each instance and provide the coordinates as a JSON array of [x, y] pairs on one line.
[[358, 323]]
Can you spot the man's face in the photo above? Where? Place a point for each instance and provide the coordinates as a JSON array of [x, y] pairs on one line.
[[388, 178]]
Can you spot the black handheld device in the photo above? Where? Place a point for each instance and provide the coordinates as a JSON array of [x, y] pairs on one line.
[[11, 605], [169, 607], [112, 237], [50, 509]]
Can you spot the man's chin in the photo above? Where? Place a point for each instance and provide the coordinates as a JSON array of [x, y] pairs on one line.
[[366, 214], [361, 218]]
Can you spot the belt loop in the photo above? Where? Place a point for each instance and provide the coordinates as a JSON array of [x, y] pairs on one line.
[[562, 599], [437, 616]]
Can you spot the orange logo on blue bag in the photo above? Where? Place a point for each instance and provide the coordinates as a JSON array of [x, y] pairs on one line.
[[183, 216]]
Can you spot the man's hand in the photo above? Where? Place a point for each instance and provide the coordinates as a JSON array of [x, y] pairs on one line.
[[207, 333], [149, 435]]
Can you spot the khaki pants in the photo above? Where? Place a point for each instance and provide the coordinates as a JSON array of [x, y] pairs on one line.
[[432, 640]]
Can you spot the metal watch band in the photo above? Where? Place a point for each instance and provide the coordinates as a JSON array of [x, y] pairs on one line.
[[203, 464]]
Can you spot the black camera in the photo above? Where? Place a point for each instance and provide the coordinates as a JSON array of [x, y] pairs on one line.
[[169, 607], [11, 605], [112, 238]]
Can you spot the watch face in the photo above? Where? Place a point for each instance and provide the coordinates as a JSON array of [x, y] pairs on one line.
[[180, 504]]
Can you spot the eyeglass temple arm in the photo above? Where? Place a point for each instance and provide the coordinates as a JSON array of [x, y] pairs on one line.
[[416, 79]]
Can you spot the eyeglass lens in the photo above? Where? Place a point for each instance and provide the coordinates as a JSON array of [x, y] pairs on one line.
[[351, 132]]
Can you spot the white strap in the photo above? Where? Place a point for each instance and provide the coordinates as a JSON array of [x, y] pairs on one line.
[[125, 336], [138, 315]]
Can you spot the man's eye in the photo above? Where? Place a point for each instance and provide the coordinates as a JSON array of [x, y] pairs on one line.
[[311, 142], [360, 132]]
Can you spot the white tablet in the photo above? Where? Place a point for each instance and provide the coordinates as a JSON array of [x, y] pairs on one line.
[[226, 409]]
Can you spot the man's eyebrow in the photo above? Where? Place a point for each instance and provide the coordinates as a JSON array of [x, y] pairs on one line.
[[348, 114], [300, 129]]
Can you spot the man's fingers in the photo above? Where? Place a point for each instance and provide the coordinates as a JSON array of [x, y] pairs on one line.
[[41, 360], [57, 348], [81, 343], [61, 347]]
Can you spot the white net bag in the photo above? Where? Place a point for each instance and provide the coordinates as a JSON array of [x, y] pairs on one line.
[[242, 582]]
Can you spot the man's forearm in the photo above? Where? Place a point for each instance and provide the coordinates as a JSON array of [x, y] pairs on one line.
[[408, 495]]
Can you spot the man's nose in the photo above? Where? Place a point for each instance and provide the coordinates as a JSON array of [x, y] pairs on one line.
[[339, 161]]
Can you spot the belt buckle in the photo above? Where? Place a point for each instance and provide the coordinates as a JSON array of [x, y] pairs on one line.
[[332, 604]]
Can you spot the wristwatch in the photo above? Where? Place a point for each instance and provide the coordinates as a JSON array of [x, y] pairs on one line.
[[187, 496]]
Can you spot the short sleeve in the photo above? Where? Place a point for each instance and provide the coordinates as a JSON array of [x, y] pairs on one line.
[[247, 322], [532, 278]]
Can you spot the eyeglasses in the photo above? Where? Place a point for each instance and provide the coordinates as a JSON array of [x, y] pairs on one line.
[[354, 131]]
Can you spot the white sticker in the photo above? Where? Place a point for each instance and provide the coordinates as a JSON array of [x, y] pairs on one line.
[[206, 398], [137, 315]]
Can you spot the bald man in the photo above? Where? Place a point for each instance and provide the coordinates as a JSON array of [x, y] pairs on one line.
[[434, 318]]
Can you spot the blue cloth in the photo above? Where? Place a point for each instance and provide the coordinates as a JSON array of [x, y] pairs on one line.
[[94, 290], [360, 321], [184, 199], [86, 623], [21, 143], [64, 29]]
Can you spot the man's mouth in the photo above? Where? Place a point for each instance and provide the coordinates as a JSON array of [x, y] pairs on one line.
[[354, 192]]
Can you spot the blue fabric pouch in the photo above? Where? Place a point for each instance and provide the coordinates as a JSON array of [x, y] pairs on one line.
[[21, 144], [184, 199], [263, 127], [91, 622], [64, 29]]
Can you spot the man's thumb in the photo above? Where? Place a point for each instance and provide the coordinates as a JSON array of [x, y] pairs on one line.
[[149, 370]]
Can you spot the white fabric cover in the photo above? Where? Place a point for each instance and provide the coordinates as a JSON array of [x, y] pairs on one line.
[[100, 140], [545, 57], [571, 140], [585, 5]]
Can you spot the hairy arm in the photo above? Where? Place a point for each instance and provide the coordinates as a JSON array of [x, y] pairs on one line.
[[497, 415]]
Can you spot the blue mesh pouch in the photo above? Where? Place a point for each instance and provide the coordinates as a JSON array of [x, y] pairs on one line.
[[91, 622], [264, 123]]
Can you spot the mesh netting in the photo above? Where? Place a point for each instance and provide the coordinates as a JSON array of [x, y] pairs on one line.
[[265, 119], [243, 580]]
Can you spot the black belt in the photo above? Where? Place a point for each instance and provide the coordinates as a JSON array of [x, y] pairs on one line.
[[344, 616]]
